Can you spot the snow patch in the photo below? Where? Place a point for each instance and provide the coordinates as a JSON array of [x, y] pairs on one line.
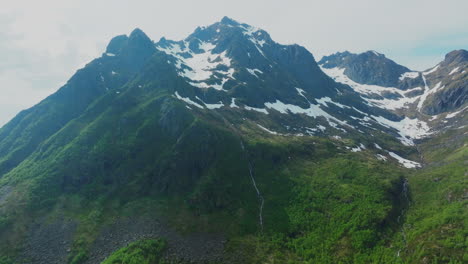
[[411, 75], [431, 70], [267, 130], [427, 92], [368, 90], [452, 115], [187, 100], [313, 111], [214, 106], [233, 103], [325, 100], [254, 71], [407, 128], [199, 67], [454, 70], [322, 128], [361, 147], [405, 162], [250, 31], [261, 110], [381, 157]]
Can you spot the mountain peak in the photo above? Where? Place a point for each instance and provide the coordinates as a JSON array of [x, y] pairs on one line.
[[137, 40], [229, 21], [373, 53], [456, 56], [138, 35], [116, 44], [369, 67]]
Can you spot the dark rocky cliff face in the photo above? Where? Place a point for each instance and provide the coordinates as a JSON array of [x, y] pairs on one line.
[[451, 78], [367, 68]]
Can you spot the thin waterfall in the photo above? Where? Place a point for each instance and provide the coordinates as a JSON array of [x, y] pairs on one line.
[[254, 183]]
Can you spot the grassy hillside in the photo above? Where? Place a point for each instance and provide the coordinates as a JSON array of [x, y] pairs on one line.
[[436, 222]]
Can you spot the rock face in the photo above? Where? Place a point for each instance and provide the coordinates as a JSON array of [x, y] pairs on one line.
[[451, 79], [366, 68], [49, 242], [193, 248]]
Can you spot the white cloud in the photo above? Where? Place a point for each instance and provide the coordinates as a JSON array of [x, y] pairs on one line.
[[43, 42]]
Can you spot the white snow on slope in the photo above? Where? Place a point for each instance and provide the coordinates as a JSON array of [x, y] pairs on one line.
[[267, 130], [187, 100], [427, 92], [233, 103], [452, 115], [214, 106], [261, 110], [253, 33], [254, 71], [392, 104], [327, 100], [338, 75], [454, 70], [410, 75], [381, 157], [431, 70], [422, 98], [407, 128], [405, 162], [436, 88], [301, 93], [368, 90], [361, 147], [313, 111], [199, 67]]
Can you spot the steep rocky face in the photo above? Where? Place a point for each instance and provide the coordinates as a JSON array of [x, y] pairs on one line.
[[367, 68], [449, 80], [233, 60]]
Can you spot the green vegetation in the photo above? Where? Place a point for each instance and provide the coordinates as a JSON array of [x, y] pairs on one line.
[[436, 224], [140, 252], [322, 203]]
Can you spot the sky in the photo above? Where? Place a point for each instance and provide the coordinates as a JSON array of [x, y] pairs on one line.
[[42, 43]]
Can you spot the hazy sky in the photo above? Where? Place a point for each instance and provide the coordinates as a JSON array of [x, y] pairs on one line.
[[42, 43]]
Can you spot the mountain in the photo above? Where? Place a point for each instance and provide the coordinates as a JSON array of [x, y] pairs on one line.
[[22, 135], [437, 97], [450, 81], [227, 147], [369, 67]]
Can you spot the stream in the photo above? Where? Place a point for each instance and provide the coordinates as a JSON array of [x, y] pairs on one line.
[[406, 200], [254, 183]]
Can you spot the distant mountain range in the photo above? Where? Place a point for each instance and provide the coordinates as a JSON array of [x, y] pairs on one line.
[[233, 148]]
